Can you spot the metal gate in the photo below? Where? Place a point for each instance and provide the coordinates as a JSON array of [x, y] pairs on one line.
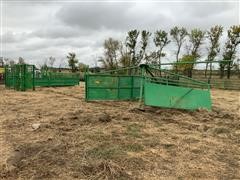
[[50, 79], [22, 77], [168, 96], [110, 87], [19, 77], [153, 87]]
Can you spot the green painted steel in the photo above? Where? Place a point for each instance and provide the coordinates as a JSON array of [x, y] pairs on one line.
[[152, 86], [19, 77], [169, 96], [56, 79], [110, 87], [23, 77]]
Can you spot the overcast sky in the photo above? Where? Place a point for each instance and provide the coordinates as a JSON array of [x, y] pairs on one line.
[[36, 30]]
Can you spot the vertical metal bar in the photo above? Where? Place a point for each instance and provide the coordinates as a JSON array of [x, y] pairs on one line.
[[24, 76], [5, 76], [132, 88], [86, 85], [118, 86], [33, 77], [141, 87]]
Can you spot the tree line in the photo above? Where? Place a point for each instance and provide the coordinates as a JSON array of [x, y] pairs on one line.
[[135, 49], [49, 62]]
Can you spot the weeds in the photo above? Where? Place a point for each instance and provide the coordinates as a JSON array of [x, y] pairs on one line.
[[133, 147], [106, 151], [134, 130]]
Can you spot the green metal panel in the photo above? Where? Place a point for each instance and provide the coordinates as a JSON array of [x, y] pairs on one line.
[[176, 97], [56, 79], [110, 87], [22, 77], [19, 76]]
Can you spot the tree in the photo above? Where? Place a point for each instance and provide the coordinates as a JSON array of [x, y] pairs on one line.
[[185, 64], [160, 40], [131, 42], [1, 62], [145, 35], [51, 61], [21, 60], [196, 38], [111, 48], [44, 67], [136, 55], [72, 61], [213, 35], [82, 67], [178, 36], [125, 58], [11, 62], [230, 50]]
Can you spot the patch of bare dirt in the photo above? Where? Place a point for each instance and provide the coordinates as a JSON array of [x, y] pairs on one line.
[[53, 133]]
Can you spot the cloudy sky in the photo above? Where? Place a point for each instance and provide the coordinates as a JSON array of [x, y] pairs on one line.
[[36, 30]]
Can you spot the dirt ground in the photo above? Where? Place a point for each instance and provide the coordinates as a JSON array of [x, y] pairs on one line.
[[53, 133]]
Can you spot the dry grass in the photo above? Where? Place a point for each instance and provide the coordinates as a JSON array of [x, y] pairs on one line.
[[72, 143]]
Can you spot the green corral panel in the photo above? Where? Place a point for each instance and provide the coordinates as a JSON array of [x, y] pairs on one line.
[[110, 87], [176, 97], [56, 79], [22, 77], [19, 77]]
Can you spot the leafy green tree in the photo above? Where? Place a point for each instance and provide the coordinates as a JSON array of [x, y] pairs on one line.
[[125, 58], [72, 61], [196, 37], [185, 65], [179, 36], [160, 40], [145, 35], [82, 67], [230, 50], [213, 35], [131, 43], [111, 50]]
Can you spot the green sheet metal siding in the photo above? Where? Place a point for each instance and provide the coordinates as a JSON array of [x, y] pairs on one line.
[[57, 79], [176, 97], [106, 87]]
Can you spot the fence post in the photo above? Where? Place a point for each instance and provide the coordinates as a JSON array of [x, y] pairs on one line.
[[24, 76], [33, 77], [86, 84], [142, 85]]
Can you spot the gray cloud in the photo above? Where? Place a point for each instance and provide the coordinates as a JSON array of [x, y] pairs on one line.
[[36, 30]]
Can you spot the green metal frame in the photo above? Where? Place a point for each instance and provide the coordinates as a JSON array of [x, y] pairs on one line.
[[168, 90], [22, 77], [50, 79], [111, 87]]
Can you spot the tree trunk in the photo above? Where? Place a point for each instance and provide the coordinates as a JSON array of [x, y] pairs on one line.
[[210, 76], [159, 62], [178, 51], [221, 71], [228, 71], [206, 70]]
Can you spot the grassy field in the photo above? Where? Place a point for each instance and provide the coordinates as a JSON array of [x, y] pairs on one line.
[[53, 133]]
